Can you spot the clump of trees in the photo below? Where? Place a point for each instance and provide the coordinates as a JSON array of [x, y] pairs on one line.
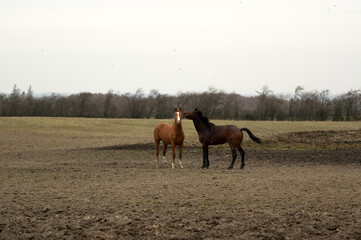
[[216, 104]]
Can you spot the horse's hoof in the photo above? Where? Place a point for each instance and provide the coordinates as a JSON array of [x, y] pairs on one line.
[[230, 168], [242, 166]]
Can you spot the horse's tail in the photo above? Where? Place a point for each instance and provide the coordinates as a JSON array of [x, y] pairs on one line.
[[250, 134]]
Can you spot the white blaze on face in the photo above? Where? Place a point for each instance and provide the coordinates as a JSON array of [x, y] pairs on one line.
[[178, 117]]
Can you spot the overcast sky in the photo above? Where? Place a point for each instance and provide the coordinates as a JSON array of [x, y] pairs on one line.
[[71, 46]]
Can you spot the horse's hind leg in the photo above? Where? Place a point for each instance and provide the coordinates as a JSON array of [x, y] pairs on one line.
[[234, 156], [242, 155], [157, 141], [164, 150]]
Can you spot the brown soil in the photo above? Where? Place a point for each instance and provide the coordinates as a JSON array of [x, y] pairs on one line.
[[319, 139], [306, 189]]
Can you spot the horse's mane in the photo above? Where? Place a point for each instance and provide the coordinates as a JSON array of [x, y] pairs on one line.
[[204, 119]]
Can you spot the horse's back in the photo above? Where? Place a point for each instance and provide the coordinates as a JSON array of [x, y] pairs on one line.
[[226, 130], [232, 128], [234, 133]]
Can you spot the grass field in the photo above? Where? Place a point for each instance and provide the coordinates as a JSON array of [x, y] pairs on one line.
[[78, 178], [72, 133]]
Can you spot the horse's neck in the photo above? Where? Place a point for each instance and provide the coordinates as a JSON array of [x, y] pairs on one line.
[[200, 125]]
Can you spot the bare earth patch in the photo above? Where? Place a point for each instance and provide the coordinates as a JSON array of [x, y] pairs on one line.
[[295, 189]]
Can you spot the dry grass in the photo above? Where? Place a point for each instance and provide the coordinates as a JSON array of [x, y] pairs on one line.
[[18, 134]]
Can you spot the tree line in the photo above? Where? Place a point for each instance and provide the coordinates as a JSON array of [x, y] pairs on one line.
[[303, 104]]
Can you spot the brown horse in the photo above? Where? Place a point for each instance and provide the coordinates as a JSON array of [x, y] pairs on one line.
[[170, 134], [210, 134]]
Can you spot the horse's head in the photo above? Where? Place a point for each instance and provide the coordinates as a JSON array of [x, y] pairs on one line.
[[191, 114], [178, 115]]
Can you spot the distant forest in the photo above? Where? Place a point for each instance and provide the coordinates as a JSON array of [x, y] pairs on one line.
[[302, 105]]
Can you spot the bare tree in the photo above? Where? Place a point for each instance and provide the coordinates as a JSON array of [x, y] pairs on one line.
[[3, 104], [62, 107], [231, 106], [135, 103], [152, 102], [323, 105], [338, 109], [352, 101], [303, 105], [15, 101], [263, 97], [108, 98], [210, 101], [29, 102], [78, 103]]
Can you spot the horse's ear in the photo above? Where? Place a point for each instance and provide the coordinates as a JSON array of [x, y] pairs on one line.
[[175, 109], [180, 109], [196, 109]]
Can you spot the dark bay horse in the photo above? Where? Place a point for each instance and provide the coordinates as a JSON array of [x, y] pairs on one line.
[[210, 134], [170, 134]]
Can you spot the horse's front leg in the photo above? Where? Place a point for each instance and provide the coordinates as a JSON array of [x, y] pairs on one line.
[[180, 154], [173, 154], [205, 157], [242, 155]]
